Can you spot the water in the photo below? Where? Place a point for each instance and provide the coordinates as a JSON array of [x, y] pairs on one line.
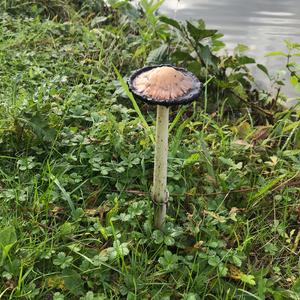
[[262, 25]]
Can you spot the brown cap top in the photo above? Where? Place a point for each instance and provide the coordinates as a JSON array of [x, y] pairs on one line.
[[164, 85]]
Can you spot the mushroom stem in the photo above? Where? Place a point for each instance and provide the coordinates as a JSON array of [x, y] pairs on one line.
[[159, 192]]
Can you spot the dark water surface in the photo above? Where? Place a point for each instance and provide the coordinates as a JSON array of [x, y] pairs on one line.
[[262, 25]]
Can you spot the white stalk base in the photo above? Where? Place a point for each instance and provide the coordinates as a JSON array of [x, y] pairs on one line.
[[159, 192]]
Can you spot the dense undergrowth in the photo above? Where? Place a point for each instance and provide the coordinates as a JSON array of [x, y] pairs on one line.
[[76, 162]]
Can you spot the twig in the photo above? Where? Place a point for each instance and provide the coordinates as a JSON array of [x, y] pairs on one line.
[[274, 100], [293, 181], [50, 229], [141, 193], [254, 106]]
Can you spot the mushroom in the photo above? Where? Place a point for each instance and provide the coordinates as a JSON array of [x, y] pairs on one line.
[[164, 86]]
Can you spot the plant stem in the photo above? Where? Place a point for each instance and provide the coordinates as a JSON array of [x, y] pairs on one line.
[[159, 193]]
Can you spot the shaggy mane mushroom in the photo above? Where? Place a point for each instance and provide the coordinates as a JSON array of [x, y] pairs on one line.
[[163, 86], [163, 83]]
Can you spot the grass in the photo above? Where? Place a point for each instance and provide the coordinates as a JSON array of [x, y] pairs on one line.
[[76, 160]]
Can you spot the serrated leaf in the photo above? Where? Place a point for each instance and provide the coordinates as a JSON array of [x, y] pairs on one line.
[[223, 270], [249, 279], [169, 241], [182, 56], [237, 261], [158, 237], [236, 274], [199, 34], [157, 55], [55, 281], [214, 261]]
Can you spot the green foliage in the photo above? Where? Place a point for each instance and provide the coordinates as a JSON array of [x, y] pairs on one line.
[[292, 62], [8, 238], [76, 159], [62, 260]]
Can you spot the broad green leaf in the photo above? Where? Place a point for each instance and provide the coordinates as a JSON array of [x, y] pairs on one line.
[[73, 282], [170, 21], [296, 286], [244, 60], [195, 67], [199, 34], [294, 80], [169, 241], [8, 236], [240, 48], [276, 53], [214, 261], [223, 270], [263, 68], [40, 126], [237, 261], [158, 55], [207, 56], [182, 56], [158, 236], [168, 261]]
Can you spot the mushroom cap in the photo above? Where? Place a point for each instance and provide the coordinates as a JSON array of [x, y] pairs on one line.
[[164, 85]]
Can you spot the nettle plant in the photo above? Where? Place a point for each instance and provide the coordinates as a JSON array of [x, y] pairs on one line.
[[291, 57], [229, 85]]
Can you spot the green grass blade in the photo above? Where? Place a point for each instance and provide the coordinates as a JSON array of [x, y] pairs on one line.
[[65, 194], [266, 188], [135, 105], [176, 119]]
